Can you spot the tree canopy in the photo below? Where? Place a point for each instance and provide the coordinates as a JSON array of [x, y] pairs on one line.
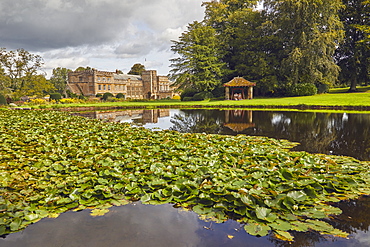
[[287, 46], [137, 69], [200, 64], [19, 74], [60, 79]]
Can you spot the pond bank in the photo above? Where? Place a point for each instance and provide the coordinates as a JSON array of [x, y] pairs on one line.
[[197, 106]]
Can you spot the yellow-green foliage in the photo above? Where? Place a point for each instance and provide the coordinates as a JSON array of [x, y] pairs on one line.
[[176, 97], [70, 101], [37, 101]]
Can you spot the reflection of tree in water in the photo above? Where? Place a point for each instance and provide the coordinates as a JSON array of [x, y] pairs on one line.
[[198, 121], [340, 134], [355, 217]]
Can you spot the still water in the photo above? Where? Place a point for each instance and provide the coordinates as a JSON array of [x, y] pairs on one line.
[[146, 225]]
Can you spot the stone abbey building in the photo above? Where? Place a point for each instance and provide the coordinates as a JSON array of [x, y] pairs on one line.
[[147, 86]]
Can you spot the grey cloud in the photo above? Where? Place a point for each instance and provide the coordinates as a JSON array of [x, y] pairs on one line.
[[45, 24], [50, 24]]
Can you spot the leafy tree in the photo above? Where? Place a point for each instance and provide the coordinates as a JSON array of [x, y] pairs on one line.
[[353, 55], [199, 65], [35, 85], [247, 41], [310, 31], [83, 68], [20, 66], [137, 69], [5, 83], [59, 79]]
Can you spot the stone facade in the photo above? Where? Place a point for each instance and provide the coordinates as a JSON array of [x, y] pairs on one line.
[[147, 86]]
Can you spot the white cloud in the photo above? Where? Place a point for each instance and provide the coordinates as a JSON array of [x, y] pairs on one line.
[[96, 32]]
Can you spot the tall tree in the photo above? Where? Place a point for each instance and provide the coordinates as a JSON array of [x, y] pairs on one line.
[[36, 85], [20, 66], [353, 56], [310, 31], [4, 83], [248, 41], [199, 65], [59, 79], [137, 69]]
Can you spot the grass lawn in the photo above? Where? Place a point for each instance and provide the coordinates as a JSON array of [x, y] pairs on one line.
[[335, 99]]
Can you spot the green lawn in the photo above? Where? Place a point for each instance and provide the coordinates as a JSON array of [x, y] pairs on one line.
[[333, 99]]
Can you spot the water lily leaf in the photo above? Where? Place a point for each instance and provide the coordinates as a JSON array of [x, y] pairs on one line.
[[298, 196], [280, 225], [2, 230], [145, 198], [15, 224], [32, 217], [99, 212], [285, 236], [257, 229], [265, 214]]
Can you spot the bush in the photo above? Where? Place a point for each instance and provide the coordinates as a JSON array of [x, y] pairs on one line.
[[303, 89], [99, 95], [81, 97], [69, 101], [120, 96], [37, 101], [189, 92], [3, 100], [177, 97], [202, 96], [187, 99], [106, 96], [323, 88], [55, 96]]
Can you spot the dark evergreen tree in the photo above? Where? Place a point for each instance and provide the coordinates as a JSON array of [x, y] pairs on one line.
[[353, 55]]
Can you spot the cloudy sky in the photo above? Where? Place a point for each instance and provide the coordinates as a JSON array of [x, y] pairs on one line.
[[103, 34]]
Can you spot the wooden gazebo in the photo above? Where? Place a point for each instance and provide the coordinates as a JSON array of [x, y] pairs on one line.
[[239, 88]]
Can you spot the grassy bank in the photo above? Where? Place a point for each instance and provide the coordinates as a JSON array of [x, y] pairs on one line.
[[335, 100]]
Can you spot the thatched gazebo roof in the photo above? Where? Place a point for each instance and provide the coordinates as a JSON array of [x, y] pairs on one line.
[[239, 127], [239, 82]]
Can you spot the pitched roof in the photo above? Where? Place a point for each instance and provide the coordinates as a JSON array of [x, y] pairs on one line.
[[239, 127], [239, 82]]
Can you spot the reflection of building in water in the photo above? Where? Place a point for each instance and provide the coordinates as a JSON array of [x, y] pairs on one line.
[[143, 116], [239, 120]]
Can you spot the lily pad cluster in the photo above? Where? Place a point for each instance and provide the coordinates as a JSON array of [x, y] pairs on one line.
[[52, 162]]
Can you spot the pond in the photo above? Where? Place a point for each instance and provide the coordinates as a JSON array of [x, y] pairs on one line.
[[164, 225]]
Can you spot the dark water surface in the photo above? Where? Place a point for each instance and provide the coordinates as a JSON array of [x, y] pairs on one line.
[[164, 225]]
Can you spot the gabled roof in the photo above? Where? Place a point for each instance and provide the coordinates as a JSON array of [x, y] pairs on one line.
[[239, 82]]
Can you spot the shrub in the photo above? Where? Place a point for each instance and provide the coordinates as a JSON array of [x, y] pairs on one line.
[[99, 95], [69, 101], [55, 96], [202, 96], [81, 97], [323, 88], [106, 96], [120, 96], [189, 92], [187, 99], [37, 101], [302, 89], [177, 97], [3, 100]]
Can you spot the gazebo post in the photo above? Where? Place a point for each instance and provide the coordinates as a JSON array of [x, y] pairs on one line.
[[250, 92], [227, 93]]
